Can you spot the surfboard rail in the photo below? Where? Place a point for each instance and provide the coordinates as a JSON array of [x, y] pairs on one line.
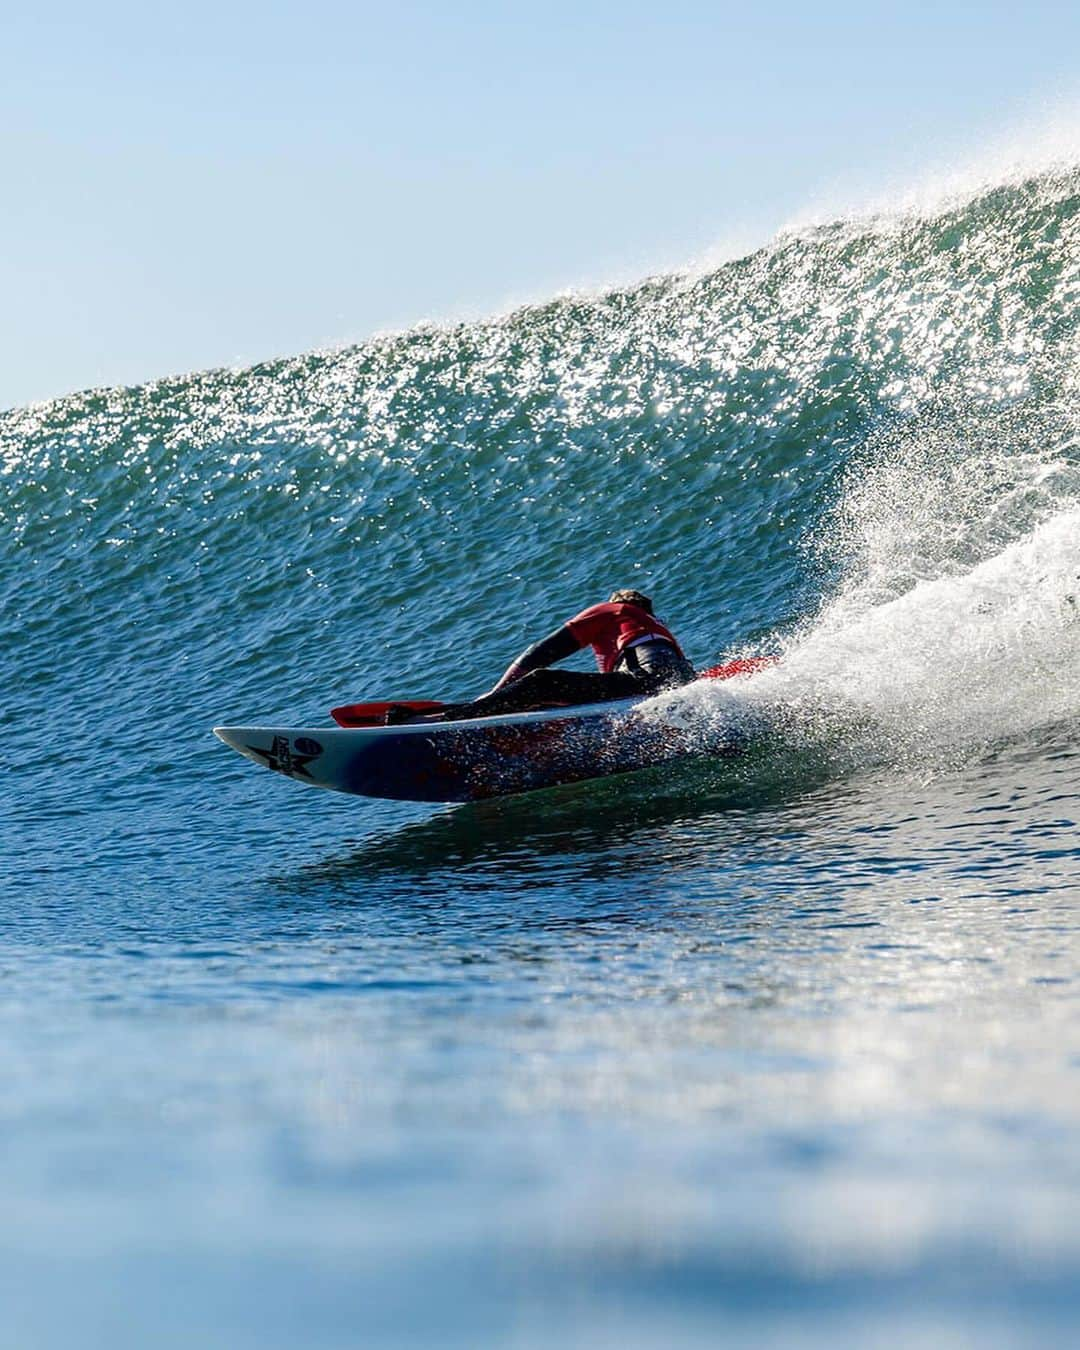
[[482, 757]]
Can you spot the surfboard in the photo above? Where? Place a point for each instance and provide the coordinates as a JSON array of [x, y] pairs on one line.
[[483, 757]]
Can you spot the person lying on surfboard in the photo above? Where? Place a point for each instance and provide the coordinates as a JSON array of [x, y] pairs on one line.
[[636, 654]]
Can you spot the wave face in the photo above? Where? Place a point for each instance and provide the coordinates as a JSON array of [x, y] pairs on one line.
[[859, 443]]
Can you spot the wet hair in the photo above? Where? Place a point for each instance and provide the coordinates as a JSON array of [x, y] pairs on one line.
[[631, 598]]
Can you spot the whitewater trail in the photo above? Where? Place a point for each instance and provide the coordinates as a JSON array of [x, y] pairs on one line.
[[942, 672]]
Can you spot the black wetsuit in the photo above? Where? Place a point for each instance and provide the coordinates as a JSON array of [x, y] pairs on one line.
[[643, 669]]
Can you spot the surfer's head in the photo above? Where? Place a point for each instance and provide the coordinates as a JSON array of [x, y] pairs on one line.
[[631, 598]]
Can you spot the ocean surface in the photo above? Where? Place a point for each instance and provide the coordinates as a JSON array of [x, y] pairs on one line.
[[781, 1050]]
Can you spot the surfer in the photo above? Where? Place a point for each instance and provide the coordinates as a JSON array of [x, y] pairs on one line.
[[636, 655]]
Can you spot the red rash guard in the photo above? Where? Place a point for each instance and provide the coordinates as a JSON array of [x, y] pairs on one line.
[[610, 628]]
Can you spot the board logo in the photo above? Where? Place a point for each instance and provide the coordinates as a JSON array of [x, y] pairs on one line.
[[281, 758], [305, 745]]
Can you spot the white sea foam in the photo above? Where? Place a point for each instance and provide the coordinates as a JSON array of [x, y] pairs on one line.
[[962, 660], [950, 667]]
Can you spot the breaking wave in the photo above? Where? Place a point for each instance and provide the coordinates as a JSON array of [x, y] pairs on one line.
[[857, 446]]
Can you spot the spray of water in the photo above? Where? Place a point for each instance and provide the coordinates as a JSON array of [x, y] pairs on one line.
[[951, 667]]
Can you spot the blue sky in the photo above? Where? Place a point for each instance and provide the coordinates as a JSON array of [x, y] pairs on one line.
[[218, 184]]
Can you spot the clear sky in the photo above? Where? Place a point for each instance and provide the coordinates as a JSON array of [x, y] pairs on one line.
[[215, 183]]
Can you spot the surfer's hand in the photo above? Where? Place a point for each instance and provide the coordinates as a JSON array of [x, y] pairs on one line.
[[499, 684], [513, 673]]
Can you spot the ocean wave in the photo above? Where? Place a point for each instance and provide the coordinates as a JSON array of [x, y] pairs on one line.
[[858, 443]]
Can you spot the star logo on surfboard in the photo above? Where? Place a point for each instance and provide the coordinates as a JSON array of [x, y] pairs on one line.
[[283, 759]]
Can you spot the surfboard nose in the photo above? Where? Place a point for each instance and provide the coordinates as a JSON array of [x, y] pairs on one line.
[[247, 741]]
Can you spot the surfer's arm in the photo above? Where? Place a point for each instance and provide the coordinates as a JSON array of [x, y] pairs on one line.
[[555, 647]]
